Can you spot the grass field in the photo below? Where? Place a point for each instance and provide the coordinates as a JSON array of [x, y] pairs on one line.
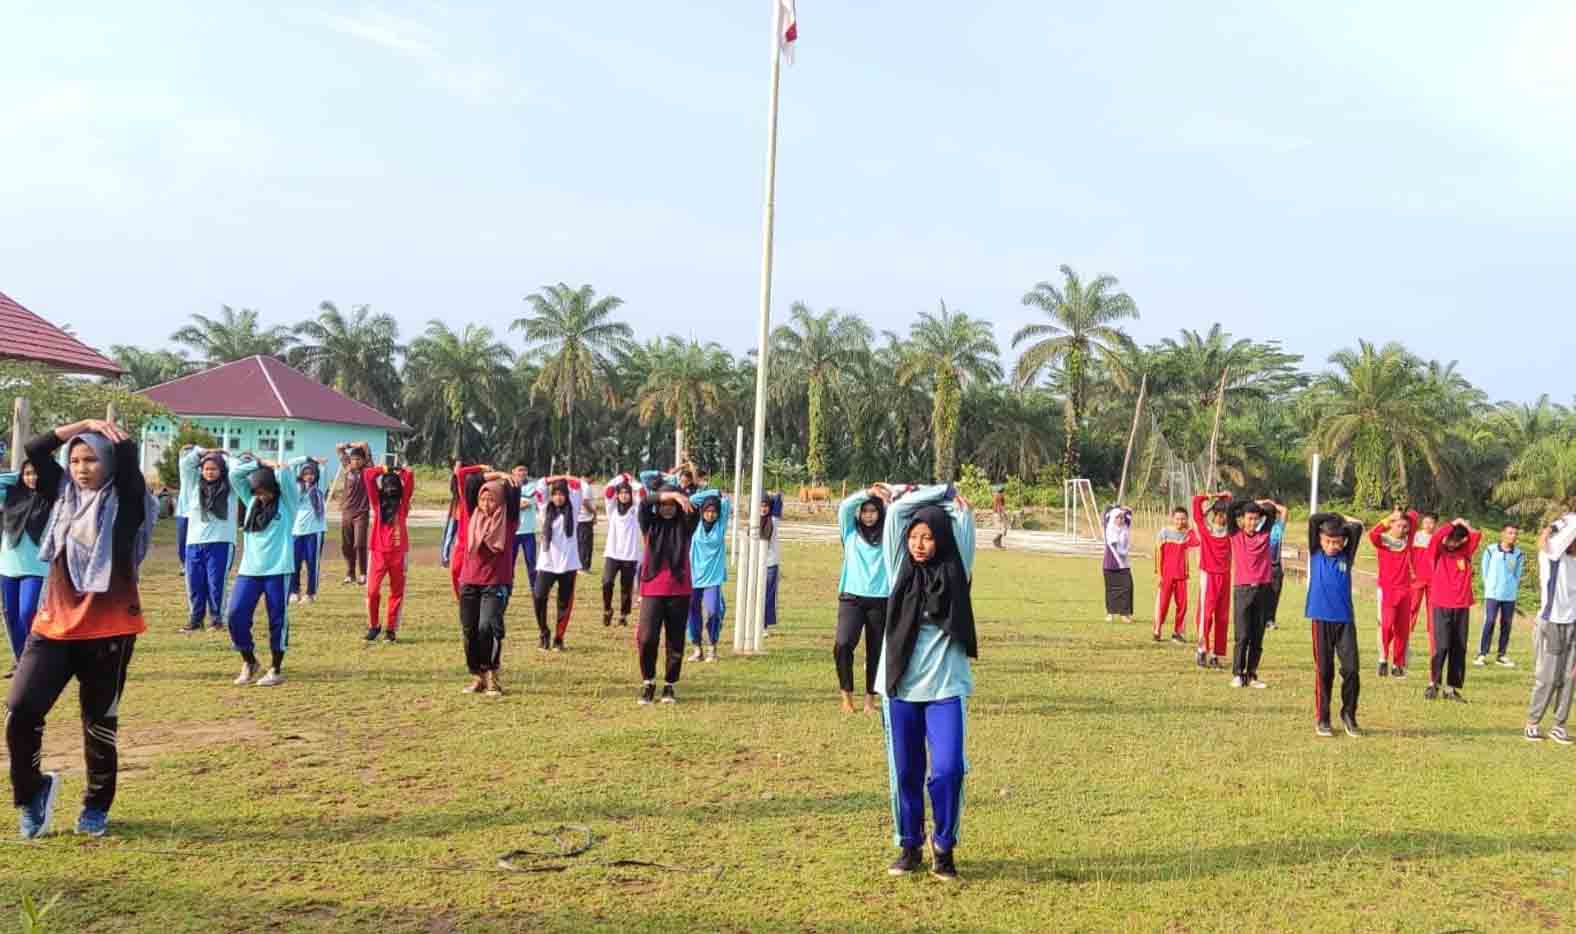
[[1114, 786]]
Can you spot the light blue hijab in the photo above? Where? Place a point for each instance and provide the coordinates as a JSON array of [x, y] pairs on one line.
[[82, 524]]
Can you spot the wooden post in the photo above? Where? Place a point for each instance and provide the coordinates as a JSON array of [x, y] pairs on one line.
[[19, 432], [1121, 487], [1220, 399], [110, 412]]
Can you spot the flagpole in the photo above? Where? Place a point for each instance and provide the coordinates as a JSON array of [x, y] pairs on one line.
[[749, 615]]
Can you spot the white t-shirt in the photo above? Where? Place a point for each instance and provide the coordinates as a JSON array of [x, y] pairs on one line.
[[623, 532], [1557, 574], [556, 552]]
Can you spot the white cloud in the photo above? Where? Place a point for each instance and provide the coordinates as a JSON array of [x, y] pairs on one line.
[[395, 33], [1212, 130], [419, 42]]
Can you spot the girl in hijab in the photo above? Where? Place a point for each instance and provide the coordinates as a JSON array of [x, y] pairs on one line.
[[771, 511], [558, 562], [270, 496], [490, 513], [924, 676], [388, 543], [466, 475], [1117, 566], [861, 592], [708, 573], [309, 529], [98, 532], [667, 523], [621, 554], [210, 534], [21, 571]]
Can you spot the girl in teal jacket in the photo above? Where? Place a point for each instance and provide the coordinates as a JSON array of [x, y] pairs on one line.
[[270, 496], [861, 592], [708, 573]]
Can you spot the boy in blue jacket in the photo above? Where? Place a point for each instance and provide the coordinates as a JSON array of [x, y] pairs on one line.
[[1332, 547], [1502, 567], [708, 573]]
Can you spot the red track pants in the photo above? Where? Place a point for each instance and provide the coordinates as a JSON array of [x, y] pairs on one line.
[[1171, 590], [391, 564], [1214, 612], [1395, 627]]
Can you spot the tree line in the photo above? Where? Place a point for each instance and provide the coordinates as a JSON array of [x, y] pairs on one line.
[[570, 381]]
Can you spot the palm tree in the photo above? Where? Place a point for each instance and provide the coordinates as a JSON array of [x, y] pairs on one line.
[[685, 382], [234, 335], [1541, 483], [1253, 370], [1376, 411], [1080, 326], [949, 349], [575, 332], [816, 351], [354, 354], [453, 381], [146, 368]]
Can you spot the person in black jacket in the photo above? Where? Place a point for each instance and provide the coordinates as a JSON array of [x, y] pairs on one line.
[[667, 522]]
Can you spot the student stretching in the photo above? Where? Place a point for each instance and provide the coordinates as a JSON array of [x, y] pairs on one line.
[[585, 528], [98, 533], [1277, 573], [525, 535], [559, 499], [1118, 572], [862, 591], [451, 520], [1422, 579], [354, 509], [1502, 569], [1214, 576], [708, 573], [924, 673], [185, 498], [465, 477], [490, 512], [621, 553], [22, 571], [771, 511], [667, 522], [1392, 541], [1171, 546], [388, 544], [1450, 553], [1554, 635], [270, 495], [210, 534], [311, 526], [1332, 548], [1250, 569]]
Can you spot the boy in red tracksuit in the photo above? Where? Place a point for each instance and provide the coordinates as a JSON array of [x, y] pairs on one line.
[[1171, 547], [1450, 554], [1214, 572], [1422, 577], [388, 543], [1392, 541]]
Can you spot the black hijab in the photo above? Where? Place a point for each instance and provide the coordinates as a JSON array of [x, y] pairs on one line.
[[554, 511], [216, 494], [623, 507], [871, 533], [391, 492], [667, 540], [262, 514], [710, 504], [936, 592], [311, 489], [766, 520], [25, 511]]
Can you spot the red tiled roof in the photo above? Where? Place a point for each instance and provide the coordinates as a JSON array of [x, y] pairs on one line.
[[26, 336], [262, 387]]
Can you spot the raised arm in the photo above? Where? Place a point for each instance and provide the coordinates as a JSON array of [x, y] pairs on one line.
[[1557, 537], [898, 516], [1314, 521], [240, 473], [848, 513]]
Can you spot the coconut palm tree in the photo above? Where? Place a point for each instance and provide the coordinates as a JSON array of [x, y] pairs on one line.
[[1375, 413], [575, 333], [685, 383], [1080, 326], [234, 335], [1254, 370], [453, 381], [1541, 482], [817, 352], [353, 353], [948, 350], [146, 368]]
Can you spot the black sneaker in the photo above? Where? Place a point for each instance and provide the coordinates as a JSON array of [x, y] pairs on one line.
[[372, 634], [908, 861], [1214, 662], [389, 636], [1157, 637], [607, 617], [544, 642], [1177, 638], [1349, 724], [1430, 692], [941, 865], [623, 621], [1398, 672], [558, 645], [188, 629], [1455, 696], [648, 693], [1384, 669], [215, 626], [1201, 662], [1322, 729], [668, 697]]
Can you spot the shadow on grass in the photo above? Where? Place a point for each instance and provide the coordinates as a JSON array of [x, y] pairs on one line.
[[1168, 865]]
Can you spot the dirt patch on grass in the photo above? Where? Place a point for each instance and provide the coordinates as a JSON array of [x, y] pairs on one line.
[[143, 743]]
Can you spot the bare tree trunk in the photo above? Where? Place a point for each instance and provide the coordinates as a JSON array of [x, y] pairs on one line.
[[1121, 487], [1214, 434]]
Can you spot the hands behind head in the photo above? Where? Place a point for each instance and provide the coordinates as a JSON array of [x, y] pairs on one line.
[[679, 500], [108, 429]]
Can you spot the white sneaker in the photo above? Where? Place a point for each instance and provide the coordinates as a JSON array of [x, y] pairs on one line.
[[1256, 683], [1480, 661], [1108, 617], [269, 679], [295, 598], [310, 598], [711, 653], [695, 654], [1504, 662], [248, 672], [1559, 735], [1236, 682]]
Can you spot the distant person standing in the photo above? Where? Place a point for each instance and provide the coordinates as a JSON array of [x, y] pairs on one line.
[[355, 510], [1214, 572], [1118, 570], [1392, 541], [1277, 573], [586, 519], [1502, 567], [1555, 632], [1171, 572], [1332, 549], [1450, 554], [998, 508], [1422, 582]]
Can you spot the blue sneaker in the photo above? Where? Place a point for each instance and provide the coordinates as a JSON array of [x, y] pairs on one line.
[[33, 817], [93, 822]]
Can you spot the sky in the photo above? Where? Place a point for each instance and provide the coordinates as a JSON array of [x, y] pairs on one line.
[[1313, 173]]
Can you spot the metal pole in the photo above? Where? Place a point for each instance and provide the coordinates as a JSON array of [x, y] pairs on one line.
[[19, 432], [738, 478]]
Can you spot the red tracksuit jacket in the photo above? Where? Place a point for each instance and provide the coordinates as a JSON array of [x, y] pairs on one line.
[[1451, 588], [1214, 551]]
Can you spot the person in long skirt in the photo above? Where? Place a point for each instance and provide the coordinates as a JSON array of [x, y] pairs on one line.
[[924, 677], [862, 592], [1118, 522]]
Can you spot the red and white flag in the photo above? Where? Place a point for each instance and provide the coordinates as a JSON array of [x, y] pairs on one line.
[[787, 29]]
